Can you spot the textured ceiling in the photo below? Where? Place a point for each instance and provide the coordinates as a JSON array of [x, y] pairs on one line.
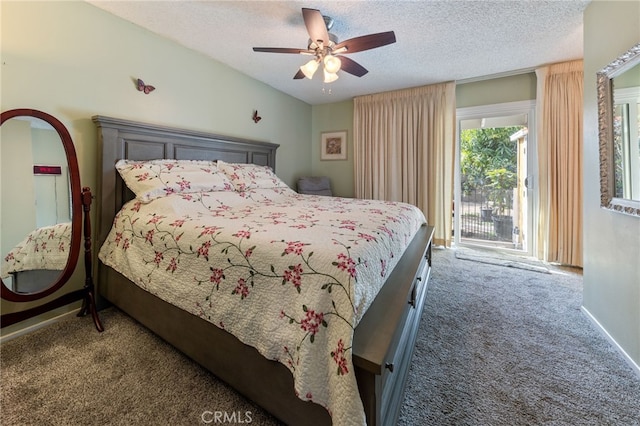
[[436, 40]]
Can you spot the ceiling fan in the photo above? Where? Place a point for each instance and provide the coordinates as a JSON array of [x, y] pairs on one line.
[[325, 48]]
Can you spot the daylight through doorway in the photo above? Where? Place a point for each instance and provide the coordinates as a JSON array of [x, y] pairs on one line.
[[492, 206]]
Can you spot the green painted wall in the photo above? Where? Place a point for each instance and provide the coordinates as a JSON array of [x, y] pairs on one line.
[[73, 60], [611, 240], [329, 118], [520, 87]]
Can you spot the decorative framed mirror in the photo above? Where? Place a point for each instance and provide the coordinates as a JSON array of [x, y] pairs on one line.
[[41, 215], [619, 133]]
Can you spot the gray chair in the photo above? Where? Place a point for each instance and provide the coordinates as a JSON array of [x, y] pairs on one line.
[[320, 185]]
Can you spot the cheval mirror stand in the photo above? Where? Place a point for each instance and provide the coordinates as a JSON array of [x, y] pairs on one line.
[[43, 219]]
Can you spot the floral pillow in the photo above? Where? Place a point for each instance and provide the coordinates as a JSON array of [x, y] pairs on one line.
[[157, 178], [251, 176]]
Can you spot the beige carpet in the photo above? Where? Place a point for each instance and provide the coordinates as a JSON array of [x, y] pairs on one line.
[[69, 374], [497, 346]]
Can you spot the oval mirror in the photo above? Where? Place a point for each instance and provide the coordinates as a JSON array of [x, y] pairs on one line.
[[41, 205]]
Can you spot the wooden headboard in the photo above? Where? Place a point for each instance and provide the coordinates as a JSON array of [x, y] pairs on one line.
[[124, 139]]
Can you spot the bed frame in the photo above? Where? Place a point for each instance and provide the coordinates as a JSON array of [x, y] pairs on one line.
[[383, 340], [34, 280]]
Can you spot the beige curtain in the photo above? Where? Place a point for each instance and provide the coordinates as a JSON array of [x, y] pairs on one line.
[[404, 145], [560, 139]]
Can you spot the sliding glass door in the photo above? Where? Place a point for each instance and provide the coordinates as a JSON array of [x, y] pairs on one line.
[[493, 198]]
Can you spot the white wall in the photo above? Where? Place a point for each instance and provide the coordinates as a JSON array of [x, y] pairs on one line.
[[611, 240], [16, 184]]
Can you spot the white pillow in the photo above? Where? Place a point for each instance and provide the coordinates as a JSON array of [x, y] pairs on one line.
[[157, 178], [250, 176]]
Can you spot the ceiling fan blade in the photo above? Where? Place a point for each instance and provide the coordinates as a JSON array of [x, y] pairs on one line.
[[298, 75], [371, 41], [279, 50], [352, 67], [316, 27]]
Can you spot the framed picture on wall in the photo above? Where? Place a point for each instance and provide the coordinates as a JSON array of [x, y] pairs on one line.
[[333, 145]]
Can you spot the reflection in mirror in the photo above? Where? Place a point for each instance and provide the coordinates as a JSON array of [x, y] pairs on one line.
[[35, 230], [619, 133], [626, 134], [41, 217]]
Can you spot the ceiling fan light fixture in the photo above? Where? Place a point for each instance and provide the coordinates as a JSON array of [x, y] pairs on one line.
[[332, 64], [330, 77], [325, 47], [309, 68]]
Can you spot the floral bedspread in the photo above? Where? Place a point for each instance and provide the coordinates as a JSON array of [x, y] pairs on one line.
[[45, 248], [288, 274]]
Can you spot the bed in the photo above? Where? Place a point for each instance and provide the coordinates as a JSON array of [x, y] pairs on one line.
[[36, 262], [368, 358]]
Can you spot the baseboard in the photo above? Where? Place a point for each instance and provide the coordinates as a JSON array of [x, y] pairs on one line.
[[34, 327], [615, 344]]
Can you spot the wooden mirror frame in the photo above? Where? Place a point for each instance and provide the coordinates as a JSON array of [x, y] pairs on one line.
[[605, 132], [80, 202]]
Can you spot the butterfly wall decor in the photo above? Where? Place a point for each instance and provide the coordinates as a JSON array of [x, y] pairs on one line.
[[146, 88], [256, 117]]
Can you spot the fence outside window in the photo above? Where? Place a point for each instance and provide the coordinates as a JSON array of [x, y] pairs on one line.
[[482, 217]]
